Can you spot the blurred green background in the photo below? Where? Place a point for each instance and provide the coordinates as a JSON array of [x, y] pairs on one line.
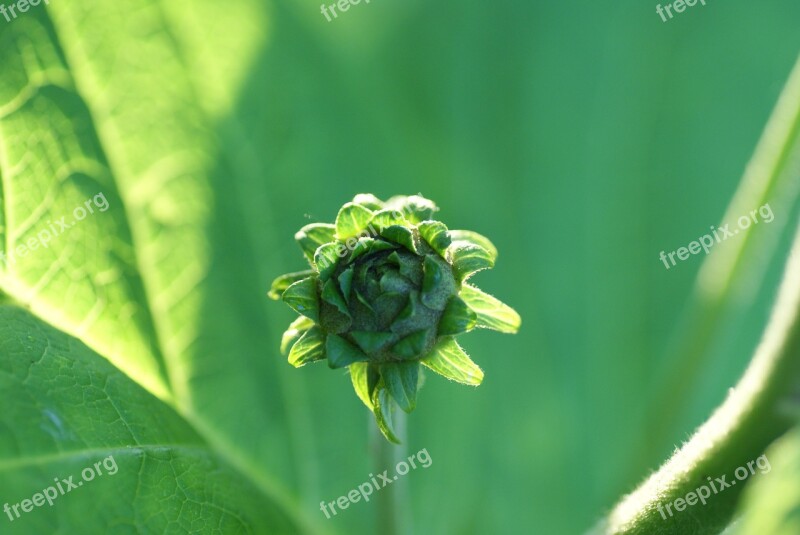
[[582, 138]]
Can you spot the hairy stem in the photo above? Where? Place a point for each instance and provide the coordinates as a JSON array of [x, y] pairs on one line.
[[752, 417], [393, 517]]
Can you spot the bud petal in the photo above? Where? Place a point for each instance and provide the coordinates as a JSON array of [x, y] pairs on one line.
[[387, 293], [449, 360], [492, 313]]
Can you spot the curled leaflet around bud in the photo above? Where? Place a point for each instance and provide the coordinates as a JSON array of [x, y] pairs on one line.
[[387, 292]]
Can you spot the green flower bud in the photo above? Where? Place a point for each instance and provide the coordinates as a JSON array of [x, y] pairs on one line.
[[387, 292]]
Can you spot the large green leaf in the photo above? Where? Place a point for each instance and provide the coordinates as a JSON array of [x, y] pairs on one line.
[[149, 267], [132, 459], [404, 98]]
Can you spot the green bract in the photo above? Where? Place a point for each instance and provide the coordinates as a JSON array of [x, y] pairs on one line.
[[386, 292]]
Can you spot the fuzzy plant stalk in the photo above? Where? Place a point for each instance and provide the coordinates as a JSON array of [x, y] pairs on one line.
[[386, 293], [392, 501], [760, 409], [764, 404]]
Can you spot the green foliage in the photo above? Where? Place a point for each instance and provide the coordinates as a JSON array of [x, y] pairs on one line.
[[754, 413], [107, 333], [771, 506], [71, 409], [387, 293], [581, 140]]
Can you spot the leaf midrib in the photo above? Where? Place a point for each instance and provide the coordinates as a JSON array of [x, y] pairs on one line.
[[24, 462]]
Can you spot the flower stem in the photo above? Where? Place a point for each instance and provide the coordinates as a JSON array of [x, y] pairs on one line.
[[393, 516], [752, 417]]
